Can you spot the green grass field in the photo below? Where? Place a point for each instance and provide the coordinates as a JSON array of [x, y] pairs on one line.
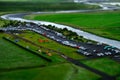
[[105, 24], [12, 56], [105, 65], [21, 64], [39, 0], [32, 36], [54, 57], [56, 72]]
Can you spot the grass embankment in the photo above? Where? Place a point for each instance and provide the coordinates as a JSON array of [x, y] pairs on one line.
[[42, 6], [56, 72], [105, 65], [105, 24], [39, 0]]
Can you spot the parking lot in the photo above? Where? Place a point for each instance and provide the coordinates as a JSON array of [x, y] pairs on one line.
[[87, 49]]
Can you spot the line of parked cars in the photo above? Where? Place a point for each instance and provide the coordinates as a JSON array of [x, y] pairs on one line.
[[108, 50]]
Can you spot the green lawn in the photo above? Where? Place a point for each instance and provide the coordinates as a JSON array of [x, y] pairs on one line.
[[11, 56], [105, 24], [56, 72], [106, 65]]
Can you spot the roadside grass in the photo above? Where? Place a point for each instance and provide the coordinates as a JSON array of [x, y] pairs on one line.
[[55, 72], [105, 65], [104, 24], [71, 52]]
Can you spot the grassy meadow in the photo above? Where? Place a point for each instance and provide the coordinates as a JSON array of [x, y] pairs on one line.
[[105, 65], [104, 24], [55, 72], [16, 63], [32, 36], [12, 57]]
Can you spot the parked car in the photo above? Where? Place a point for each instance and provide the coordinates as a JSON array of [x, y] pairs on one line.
[[117, 51], [66, 42], [84, 52], [100, 54], [83, 48], [108, 53]]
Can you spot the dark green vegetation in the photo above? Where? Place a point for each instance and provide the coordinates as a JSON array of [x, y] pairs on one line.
[[39, 0], [68, 34], [38, 6], [55, 72], [105, 24], [6, 23]]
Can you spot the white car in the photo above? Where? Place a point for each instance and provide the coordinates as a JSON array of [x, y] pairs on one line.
[[73, 45], [117, 51], [52, 37], [66, 42], [100, 54], [108, 53], [83, 48]]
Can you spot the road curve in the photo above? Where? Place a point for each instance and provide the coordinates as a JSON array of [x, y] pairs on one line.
[[86, 35]]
